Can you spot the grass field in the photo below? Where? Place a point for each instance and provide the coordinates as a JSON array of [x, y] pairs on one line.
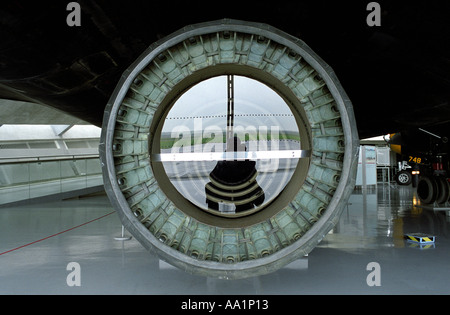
[[168, 142]]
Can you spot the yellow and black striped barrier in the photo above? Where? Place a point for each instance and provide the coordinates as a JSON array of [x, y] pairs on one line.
[[420, 238]]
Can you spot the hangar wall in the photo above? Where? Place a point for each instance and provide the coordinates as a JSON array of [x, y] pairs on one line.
[[48, 162]]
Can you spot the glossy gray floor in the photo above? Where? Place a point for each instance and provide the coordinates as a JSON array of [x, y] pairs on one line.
[[37, 242]]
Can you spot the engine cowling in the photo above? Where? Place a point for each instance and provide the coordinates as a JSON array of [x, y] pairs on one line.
[[197, 239]]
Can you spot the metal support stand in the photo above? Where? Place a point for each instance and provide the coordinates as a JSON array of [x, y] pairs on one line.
[[122, 237], [436, 207]]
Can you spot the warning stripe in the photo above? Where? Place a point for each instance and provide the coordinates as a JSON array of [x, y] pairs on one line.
[[420, 239]]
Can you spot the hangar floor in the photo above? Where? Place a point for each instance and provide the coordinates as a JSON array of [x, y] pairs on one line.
[[38, 241]]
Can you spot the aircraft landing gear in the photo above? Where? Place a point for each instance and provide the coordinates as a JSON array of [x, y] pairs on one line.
[[403, 178]]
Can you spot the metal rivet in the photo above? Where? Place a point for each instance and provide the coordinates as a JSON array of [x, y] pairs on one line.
[[116, 147], [162, 57], [121, 113]]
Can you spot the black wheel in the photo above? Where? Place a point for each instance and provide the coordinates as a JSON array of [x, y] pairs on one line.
[[403, 178], [427, 190], [443, 190]]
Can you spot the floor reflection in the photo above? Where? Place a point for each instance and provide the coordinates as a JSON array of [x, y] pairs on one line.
[[371, 229], [381, 217]]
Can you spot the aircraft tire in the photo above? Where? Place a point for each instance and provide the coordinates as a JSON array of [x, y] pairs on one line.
[[183, 235], [443, 190], [427, 189], [403, 178]]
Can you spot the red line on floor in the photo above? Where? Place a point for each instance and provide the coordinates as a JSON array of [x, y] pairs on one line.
[[42, 239]]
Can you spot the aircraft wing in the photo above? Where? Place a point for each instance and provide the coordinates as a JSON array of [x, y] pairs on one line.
[[397, 75]]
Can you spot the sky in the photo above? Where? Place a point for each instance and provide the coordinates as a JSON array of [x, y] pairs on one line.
[[255, 104]]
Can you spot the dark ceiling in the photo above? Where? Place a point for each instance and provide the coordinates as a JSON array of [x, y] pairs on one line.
[[397, 75]]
